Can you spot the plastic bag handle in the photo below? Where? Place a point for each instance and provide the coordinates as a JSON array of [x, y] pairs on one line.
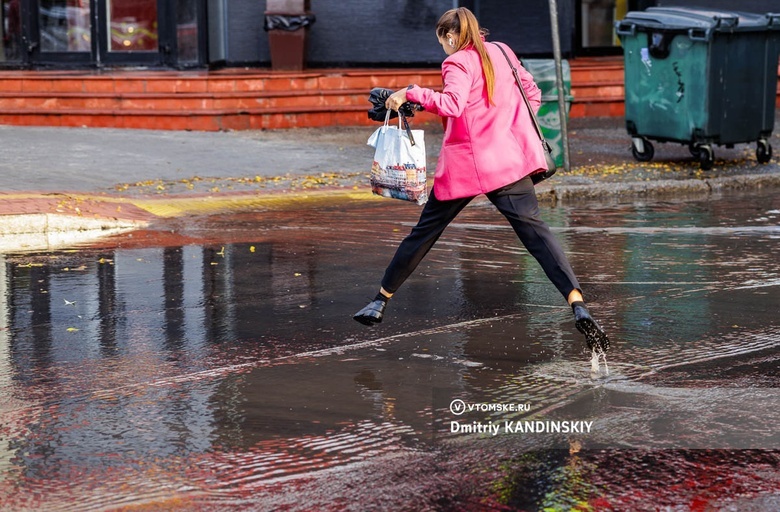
[[404, 126], [387, 121]]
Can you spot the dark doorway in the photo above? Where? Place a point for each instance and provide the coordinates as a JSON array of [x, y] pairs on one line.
[[595, 28]]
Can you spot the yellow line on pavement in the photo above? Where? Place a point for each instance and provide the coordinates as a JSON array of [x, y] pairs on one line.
[[177, 206], [169, 207]]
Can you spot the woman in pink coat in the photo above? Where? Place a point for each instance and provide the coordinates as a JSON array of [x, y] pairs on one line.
[[490, 147]]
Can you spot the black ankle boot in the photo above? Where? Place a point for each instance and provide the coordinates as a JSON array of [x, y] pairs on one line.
[[373, 313], [595, 336]]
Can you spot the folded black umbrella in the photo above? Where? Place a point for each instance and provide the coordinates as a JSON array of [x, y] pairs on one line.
[[378, 96]]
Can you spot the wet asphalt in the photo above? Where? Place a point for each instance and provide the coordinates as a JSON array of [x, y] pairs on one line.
[[208, 361]]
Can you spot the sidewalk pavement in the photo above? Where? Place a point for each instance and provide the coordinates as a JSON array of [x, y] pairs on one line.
[[62, 180]]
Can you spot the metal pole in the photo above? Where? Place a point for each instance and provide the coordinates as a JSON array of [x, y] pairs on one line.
[[556, 41]]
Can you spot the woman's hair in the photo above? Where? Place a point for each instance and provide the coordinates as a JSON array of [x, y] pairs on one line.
[[462, 22]]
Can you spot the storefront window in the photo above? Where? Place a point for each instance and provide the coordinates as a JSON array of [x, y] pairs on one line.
[[132, 26], [64, 25]]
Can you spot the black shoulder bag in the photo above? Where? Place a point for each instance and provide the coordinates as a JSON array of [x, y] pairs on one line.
[[551, 166]]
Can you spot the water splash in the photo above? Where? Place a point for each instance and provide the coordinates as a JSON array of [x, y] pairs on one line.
[[595, 364]]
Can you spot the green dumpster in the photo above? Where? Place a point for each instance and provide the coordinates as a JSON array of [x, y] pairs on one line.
[[549, 115], [700, 77]]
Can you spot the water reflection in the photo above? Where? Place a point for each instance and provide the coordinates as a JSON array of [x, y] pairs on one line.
[[223, 360]]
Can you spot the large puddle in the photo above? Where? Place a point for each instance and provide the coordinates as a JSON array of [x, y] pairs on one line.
[[215, 365]]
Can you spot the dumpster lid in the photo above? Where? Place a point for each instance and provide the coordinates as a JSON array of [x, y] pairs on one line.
[[684, 19], [722, 20], [664, 20]]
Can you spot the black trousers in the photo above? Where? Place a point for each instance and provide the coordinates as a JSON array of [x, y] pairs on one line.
[[518, 204]]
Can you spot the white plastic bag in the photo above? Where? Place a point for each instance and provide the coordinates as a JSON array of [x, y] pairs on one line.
[[399, 164]]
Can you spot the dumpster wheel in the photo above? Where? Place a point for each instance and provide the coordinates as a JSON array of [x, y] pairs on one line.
[[706, 157], [642, 149], [763, 151]]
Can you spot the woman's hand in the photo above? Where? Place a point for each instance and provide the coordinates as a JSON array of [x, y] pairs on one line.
[[396, 99]]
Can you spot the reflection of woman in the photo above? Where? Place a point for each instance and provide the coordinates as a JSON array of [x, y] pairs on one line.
[[490, 147], [79, 37]]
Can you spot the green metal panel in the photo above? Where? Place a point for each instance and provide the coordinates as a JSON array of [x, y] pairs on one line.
[[549, 114]]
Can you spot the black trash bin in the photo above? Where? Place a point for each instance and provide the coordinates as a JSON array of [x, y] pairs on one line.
[[287, 23], [700, 77]]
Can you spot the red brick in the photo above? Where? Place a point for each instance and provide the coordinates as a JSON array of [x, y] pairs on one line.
[[304, 84], [99, 86], [331, 82], [598, 110], [10, 85], [238, 102], [234, 122], [68, 85], [275, 121], [164, 122], [249, 84], [172, 103], [221, 85], [139, 122], [356, 82], [155, 85], [255, 121], [614, 91], [81, 102], [617, 109], [129, 85], [139, 103], [195, 85], [577, 110], [105, 121], [10, 119], [270, 84], [200, 123], [77, 120], [36, 85]]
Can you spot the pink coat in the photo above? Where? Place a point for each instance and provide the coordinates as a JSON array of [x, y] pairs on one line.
[[485, 146]]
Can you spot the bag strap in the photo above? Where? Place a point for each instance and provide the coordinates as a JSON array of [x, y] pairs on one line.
[[402, 117], [522, 91], [403, 124]]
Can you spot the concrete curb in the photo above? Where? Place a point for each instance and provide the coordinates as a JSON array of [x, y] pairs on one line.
[[658, 188], [43, 223], [45, 231]]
